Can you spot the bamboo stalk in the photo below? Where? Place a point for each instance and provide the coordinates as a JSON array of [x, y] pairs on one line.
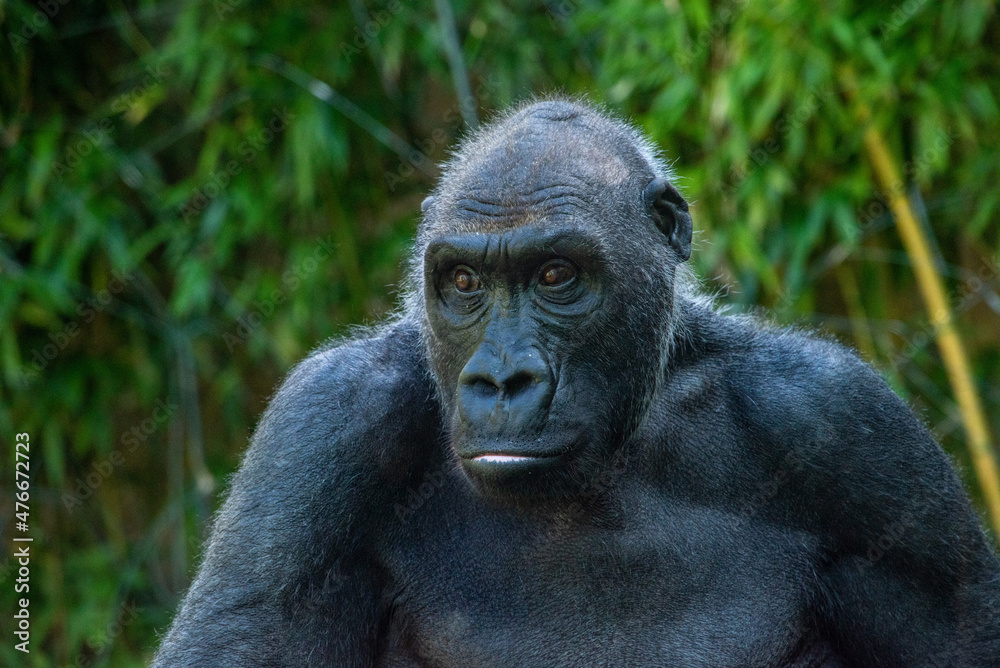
[[855, 310], [459, 75], [953, 353]]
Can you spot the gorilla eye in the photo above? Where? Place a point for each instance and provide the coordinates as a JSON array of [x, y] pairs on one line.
[[465, 280], [556, 273]]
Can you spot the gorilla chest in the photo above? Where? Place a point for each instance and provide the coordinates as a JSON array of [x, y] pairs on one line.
[[688, 587]]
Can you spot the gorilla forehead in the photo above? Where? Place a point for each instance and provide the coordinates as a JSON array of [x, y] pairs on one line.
[[549, 161]]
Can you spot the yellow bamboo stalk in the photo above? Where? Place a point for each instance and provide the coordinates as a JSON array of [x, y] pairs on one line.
[[953, 353]]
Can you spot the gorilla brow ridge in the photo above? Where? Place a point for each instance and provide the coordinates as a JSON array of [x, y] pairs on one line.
[[634, 149]]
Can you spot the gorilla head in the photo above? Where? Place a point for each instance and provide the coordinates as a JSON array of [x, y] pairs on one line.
[[549, 271]]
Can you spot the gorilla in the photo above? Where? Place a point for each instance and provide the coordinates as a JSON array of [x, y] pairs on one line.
[[558, 454]]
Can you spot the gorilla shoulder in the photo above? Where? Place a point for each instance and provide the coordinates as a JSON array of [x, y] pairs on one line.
[[349, 389], [332, 433], [776, 372], [800, 389], [850, 447], [795, 379]]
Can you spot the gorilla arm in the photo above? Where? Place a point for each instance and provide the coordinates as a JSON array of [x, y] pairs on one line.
[[288, 579], [911, 579]]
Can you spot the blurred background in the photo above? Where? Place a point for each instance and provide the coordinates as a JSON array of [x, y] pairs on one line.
[[195, 194]]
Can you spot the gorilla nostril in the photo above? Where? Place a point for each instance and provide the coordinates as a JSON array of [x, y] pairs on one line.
[[483, 386], [518, 382]]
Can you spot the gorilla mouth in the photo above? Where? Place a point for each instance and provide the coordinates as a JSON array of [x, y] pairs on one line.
[[502, 473], [501, 465], [495, 457], [502, 459]]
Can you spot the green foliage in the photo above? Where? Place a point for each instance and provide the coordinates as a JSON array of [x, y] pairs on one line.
[[185, 212]]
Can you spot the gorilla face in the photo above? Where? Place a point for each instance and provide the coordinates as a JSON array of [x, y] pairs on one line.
[[547, 318], [516, 319]]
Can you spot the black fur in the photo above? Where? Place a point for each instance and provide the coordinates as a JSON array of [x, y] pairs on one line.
[[702, 490]]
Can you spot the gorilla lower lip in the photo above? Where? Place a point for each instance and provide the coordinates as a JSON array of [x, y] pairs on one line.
[[502, 459], [503, 468]]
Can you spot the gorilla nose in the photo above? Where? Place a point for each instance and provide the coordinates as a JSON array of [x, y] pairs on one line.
[[515, 390]]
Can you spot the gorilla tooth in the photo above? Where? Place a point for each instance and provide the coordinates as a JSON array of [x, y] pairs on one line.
[[499, 459]]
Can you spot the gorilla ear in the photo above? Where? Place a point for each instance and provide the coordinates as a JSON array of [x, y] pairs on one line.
[[670, 213], [426, 204]]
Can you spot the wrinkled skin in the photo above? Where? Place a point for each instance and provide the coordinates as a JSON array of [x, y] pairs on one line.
[[559, 455]]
